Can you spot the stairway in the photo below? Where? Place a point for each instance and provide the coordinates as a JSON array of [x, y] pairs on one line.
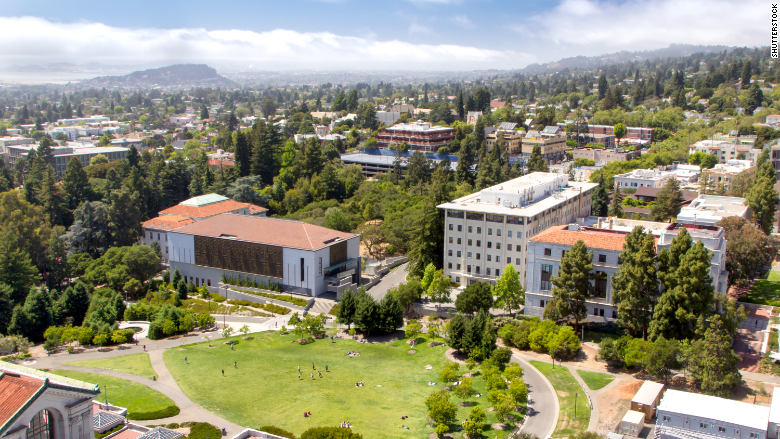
[[322, 306]]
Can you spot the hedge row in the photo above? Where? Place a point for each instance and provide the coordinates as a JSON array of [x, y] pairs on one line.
[[171, 410], [270, 307], [106, 433], [288, 299]]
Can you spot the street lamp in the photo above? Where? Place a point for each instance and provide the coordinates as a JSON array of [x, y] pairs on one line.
[[105, 393], [575, 404], [553, 358]]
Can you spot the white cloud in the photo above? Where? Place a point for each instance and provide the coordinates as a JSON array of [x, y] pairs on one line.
[[463, 21], [31, 40], [605, 26], [415, 28]]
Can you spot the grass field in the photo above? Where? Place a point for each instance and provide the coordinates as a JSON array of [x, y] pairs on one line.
[[766, 291], [140, 401], [595, 380], [565, 387], [265, 390], [137, 364], [597, 337]]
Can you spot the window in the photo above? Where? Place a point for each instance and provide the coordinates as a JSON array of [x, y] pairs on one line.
[[478, 256], [477, 268], [455, 214], [469, 229], [509, 247], [490, 231], [449, 252], [479, 229], [541, 303], [498, 258], [468, 255], [602, 259], [489, 258], [166, 249], [468, 242], [158, 236], [703, 425], [457, 266], [458, 253], [490, 244], [509, 234], [721, 429], [450, 240], [546, 275], [518, 261], [468, 268], [487, 271], [151, 235], [498, 232], [449, 265], [458, 240], [460, 228], [498, 246], [475, 216], [209, 282], [479, 243], [497, 272], [601, 284], [303, 273], [753, 435], [450, 227], [495, 218], [548, 252]]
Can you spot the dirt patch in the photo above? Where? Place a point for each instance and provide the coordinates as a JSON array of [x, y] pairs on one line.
[[499, 426], [458, 357], [411, 351], [614, 403], [434, 343]]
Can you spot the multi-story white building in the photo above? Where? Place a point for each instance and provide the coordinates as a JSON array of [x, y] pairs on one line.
[[63, 154], [605, 238], [725, 151], [724, 173], [685, 174], [709, 209], [487, 230]]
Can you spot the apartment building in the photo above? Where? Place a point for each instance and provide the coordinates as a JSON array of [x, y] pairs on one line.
[[725, 151], [489, 229], [513, 139], [63, 154], [724, 173], [638, 135], [553, 148], [5, 142], [604, 156], [605, 237], [734, 137], [419, 136], [656, 178]]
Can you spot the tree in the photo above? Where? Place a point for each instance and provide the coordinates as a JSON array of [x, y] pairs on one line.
[[243, 155], [669, 201], [439, 290], [124, 217], [717, 370], [536, 163], [619, 131], [16, 271], [508, 291], [367, 314], [32, 318], [268, 108], [204, 113], [392, 313], [635, 286], [141, 262], [477, 296], [75, 184], [98, 160], [466, 160], [51, 198], [600, 200], [426, 238], [346, 311], [572, 287], [90, 232], [762, 198], [476, 420], [662, 358], [746, 248], [440, 408], [408, 293], [616, 208]]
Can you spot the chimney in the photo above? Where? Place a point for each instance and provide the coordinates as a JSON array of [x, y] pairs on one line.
[[611, 220], [599, 223]]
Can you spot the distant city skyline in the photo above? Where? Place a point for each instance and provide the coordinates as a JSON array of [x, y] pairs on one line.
[[352, 34]]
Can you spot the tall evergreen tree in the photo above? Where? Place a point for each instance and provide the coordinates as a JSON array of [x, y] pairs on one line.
[[51, 198], [603, 87], [466, 160], [266, 153], [347, 307], [762, 198], [426, 238], [76, 185], [718, 365], [635, 286], [536, 163], [124, 217], [616, 208], [243, 155], [459, 105], [669, 201], [571, 284], [600, 202], [34, 317]]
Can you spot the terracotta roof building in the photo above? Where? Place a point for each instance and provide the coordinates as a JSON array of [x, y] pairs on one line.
[[605, 237], [188, 212], [302, 257], [40, 405]]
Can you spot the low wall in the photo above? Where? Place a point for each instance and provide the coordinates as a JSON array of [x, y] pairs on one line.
[[225, 290]]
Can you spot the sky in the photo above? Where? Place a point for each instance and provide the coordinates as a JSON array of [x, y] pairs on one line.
[[364, 34]]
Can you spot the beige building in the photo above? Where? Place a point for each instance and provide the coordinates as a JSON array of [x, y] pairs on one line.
[[553, 148], [603, 156], [513, 138], [723, 173]]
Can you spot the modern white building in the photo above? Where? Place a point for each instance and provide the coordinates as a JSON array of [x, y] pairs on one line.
[[489, 229], [709, 209], [605, 237], [63, 154], [683, 415], [726, 151], [724, 173], [656, 178], [40, 405], [302, 257]]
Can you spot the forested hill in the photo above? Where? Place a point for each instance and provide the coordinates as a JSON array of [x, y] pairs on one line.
[[594, 62], [174, 74]]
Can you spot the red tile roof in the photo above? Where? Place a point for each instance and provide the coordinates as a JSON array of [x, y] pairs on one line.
[[265, 230], [15, 392], [593, 238], [209, 209], [167, 222]]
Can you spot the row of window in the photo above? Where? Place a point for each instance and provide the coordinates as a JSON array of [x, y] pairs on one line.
[[197, 281], [602, 259], [470, 229], [706, 425]]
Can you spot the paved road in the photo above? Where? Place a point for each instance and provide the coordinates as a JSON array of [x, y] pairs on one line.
[[542, 414], [390, 281]]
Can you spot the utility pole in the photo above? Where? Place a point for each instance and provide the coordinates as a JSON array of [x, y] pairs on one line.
[[575, 404]]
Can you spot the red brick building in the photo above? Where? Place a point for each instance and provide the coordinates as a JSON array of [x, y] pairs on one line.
[[419, 136]]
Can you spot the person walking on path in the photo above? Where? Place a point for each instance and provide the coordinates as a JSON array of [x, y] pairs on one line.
[[144, 348]]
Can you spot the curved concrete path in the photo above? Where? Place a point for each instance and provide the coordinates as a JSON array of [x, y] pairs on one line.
[[542, 412]]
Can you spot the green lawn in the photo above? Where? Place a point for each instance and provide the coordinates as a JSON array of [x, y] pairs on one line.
[[137, 364], [565, 387], [596, 337], [140, 401], [766, 291], [595, 380], [265, 389]]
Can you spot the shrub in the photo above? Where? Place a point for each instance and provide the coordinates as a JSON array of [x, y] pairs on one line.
[[277, 431], [203, 430], [155, 331], [294, 300], [106, 433], [218, 298], [541, 336], [330, 433], [167, 412]]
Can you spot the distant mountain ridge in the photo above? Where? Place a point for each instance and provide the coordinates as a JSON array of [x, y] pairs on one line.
[[593, 62], [170, 75]]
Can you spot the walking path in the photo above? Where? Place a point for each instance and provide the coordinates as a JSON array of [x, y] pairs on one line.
[[542, 412], [389, 281]]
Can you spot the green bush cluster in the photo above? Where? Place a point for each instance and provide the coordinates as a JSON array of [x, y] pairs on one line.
[[203, 430], [111, 431], [760, 301], [167, 412], [167, 320], [294, 300], [541, 336], [232, 280], [475, 336], [330, 433], [626, 350], [277, 431]]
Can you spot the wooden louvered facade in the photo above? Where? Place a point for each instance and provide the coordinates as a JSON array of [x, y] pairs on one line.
[[245, 257], [338, 253]]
